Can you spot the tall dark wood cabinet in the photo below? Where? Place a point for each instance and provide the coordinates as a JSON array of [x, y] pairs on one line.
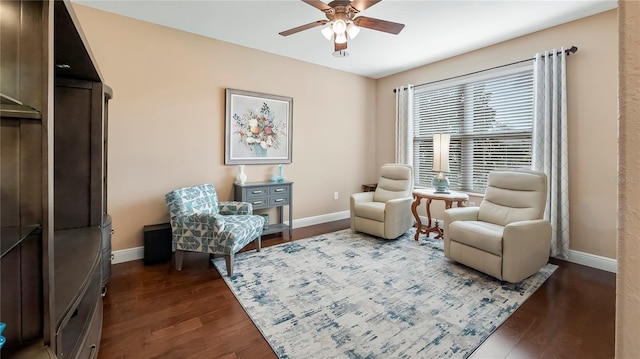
[[53, 184]]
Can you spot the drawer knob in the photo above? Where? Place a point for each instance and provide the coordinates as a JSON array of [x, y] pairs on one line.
[[256, 192], [279, 200], [257, 202], [279, 189]]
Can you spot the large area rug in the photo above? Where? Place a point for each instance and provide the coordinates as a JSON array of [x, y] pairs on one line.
[[349, 295]]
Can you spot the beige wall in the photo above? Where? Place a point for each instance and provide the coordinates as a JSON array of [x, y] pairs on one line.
[[166, 123], [167, 119], [592, 111], [628, 279]]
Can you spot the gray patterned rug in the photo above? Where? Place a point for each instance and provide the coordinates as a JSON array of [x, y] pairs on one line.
[[349, 295]]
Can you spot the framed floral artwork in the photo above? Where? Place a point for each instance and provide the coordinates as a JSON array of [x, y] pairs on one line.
[[257, 128]]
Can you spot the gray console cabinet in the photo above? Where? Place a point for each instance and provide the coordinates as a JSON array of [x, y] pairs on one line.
[[264, 195]]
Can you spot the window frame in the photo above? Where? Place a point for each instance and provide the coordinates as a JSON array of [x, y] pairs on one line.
[[462, 169]]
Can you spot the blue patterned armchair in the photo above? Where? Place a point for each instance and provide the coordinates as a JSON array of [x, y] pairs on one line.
[[199, 223]]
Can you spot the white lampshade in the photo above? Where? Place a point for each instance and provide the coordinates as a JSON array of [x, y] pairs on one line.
[[441, 152], [341, 38], [352, 30], [327, 32], [339, 27]]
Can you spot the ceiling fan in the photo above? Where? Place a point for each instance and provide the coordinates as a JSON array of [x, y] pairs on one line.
[[343, 23]]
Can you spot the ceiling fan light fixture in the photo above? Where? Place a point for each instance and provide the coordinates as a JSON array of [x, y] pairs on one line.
[[327, 32], [339, 27], [352, 30], [341, 38], [343, 22]]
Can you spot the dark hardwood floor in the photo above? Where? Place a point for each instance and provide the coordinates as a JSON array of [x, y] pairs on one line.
[[157, 312]]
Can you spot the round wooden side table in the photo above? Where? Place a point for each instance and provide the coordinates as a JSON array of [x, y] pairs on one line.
[[429, 193]]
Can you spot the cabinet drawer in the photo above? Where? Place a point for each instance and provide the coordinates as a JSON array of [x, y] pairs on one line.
[[279, 190], [89, 349], [278, 200], [73, 330], [259, 202], [256, 192]]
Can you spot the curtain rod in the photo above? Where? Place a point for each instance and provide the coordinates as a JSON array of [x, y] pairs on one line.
[[571, 50]]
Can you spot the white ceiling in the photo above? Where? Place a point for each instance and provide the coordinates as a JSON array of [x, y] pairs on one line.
[[434, 29]]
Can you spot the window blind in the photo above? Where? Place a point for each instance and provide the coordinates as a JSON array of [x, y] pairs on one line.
[[490, 122]]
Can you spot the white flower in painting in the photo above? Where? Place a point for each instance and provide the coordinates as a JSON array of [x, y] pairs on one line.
[[259, 127]]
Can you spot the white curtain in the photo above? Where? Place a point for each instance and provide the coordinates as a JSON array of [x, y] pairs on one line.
[[550, 142], [404, 125]]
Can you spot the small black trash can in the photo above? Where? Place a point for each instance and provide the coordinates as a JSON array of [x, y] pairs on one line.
[[157, 243]]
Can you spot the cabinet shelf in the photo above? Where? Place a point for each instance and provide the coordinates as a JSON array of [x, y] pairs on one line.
[[13, 236], [12, 108], [276, 228], [35, 350], [76, 253]]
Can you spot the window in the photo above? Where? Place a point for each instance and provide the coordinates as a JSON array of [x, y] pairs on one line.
[[490, 122]]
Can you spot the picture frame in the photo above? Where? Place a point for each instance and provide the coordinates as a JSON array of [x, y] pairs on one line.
[[258, 128]]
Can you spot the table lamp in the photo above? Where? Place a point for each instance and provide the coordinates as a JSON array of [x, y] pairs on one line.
[[441, 162]]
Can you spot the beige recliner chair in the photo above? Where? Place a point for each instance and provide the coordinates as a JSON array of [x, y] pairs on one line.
[[385, 213], [506, 236]]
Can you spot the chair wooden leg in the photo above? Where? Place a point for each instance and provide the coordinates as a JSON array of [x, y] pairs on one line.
[[258, 243], [179, 259], [229, 259]]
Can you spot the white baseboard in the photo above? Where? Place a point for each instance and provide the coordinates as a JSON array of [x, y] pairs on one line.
[[323, 218], [586, 259], [594, 261], [135, 253], [126, 255]]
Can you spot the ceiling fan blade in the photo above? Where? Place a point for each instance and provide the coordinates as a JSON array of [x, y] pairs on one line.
[[338, 47], [303, 27], [318, 5], [380, 25], [363, 4]]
